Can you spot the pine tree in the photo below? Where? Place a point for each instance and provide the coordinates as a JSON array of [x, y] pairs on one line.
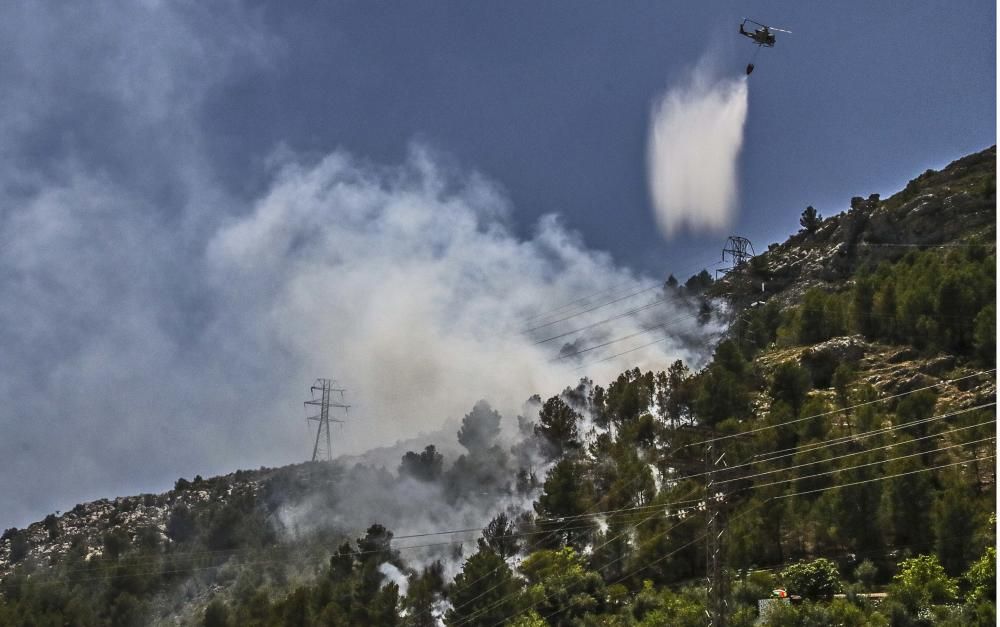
[[557, 427], [480, 428], [484, 593], [810, 220]]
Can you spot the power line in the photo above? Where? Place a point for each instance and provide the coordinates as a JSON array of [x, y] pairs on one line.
[[197, 555], [649, 305], [880, 461], [884, 477], [613, 513], [950, 245], [794, 494], [623, 338], [615, 561], [594, 308], [625, 352], [764, 502], [658, 507], [580, 300], [612, 289], [638, 570], [502, 599], [837, 411], [786, 452], [938, 450], [849, 438], [625, 314], [850, 468], [676, 480]]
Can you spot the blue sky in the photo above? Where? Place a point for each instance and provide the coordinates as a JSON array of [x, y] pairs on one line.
[[206, 206], [552, 100]]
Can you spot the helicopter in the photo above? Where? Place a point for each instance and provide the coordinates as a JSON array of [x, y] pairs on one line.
[[762, 36]]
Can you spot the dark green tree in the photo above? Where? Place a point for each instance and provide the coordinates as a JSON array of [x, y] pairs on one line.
[[116, 542], [423, 592], [19, 546], [698, 283], [790, 384], [985, 335], [862, 307], [484, 593], [51, 524], [630, 395], [297, 610], [384, 608], [181, 524], [679, 395], [342, 562], [904, 512], [563, 494], [557, 428], [817, 318], [723, 390], [499, 536], [843, 377], [954, 523], [566, 590], [376, 546], [810, 220]]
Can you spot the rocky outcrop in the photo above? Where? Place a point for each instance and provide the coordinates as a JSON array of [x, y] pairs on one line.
[[955, 206], [86, 524]]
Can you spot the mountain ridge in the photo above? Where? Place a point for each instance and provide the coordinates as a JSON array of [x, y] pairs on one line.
[[804, 339]]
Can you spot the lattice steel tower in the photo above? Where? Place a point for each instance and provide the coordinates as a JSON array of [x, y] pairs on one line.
[[325, 388], [737, 251]]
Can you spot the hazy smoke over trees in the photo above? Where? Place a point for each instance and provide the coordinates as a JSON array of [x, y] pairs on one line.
[[172, 325]]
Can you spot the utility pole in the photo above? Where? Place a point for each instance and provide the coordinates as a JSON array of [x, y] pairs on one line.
[[716, 583], [324, 388]]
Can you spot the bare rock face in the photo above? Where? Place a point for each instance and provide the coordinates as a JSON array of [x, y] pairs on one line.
[[849, 349], [939, 366], [904, 354]]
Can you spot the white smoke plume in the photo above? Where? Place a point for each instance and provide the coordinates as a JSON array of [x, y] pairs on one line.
[[394, 575], [402, 282], [406, 284], [171, 326], [695, 138]]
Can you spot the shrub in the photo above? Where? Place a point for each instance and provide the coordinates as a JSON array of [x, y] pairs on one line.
[[817, 579]]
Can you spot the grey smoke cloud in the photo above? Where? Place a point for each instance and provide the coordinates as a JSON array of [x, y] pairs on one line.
[[154, 325], [695, 138]]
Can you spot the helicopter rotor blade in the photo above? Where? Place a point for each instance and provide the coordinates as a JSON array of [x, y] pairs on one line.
[[780, 30]]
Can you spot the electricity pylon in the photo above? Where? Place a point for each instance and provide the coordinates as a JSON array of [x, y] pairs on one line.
[[323, 402]]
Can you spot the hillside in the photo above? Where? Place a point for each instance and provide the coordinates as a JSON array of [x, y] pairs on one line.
[[951, 208], [850, 410]]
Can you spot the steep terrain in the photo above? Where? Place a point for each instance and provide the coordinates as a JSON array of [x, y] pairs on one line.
[[853, 402], [953, 207]]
